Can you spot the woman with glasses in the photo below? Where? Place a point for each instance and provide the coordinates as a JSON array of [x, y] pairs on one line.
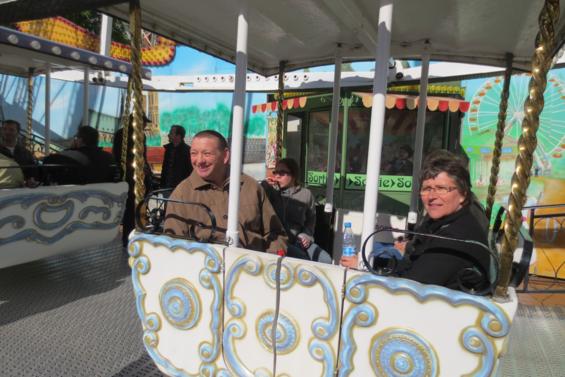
[[295, 207], [445, 191]]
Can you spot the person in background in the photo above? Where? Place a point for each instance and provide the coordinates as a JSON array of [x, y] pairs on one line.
[[176, 162], [445, 191], [259, 227], [401, 164], [85, 162], [12, 148], [11, 176], [296, 208], [128, 222]]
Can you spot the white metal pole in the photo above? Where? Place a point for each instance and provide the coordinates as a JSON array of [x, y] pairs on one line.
[[332, 145], [85, 97], [419, 140], [105, 35], [47, 109], [232, 233], [377, 120]]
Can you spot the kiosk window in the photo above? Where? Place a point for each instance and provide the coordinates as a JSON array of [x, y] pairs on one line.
[[318, 139]]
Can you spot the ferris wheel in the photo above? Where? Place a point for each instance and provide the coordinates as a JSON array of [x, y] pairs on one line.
[[483, 116]]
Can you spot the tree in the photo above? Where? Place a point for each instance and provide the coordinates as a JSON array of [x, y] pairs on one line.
[[91, 20], [347, 67]]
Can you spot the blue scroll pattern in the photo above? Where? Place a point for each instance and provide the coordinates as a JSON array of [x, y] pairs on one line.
[[402, 353], [185, 315], [286, 332], [180, 303], [324, 328], [420, 356], [65, 204], [235, 328]]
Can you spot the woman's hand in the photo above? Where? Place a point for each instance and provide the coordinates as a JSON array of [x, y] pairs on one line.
[[351, 262], [304, 241], [272, 181], [400, 245]]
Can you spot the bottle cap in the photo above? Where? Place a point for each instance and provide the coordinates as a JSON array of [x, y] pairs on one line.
[[281, 252], [347, 225]]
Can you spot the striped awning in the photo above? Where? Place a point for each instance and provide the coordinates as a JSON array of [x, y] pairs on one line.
[[402, 101], [398, 101], [291, 103]]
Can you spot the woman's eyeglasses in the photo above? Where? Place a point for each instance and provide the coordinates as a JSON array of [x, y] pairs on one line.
[[439, 190], [281, 172]]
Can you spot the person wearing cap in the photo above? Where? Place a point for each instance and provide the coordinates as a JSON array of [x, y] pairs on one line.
[[259, 227], [176, 162]]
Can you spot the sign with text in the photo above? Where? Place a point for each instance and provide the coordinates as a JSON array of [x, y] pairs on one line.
[[357, 181], [386, 182], [318, 178]]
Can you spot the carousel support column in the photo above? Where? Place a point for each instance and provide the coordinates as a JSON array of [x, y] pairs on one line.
[[105, 35], [126, 126], [377, 120], [497, 151], [332, 146], [47, 110], [29, 133], [232, 233], [419, 142], [280, 113], [137, 126], [541, 62], [85, 97]]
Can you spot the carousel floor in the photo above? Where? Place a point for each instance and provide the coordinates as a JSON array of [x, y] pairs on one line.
[[74, 315]]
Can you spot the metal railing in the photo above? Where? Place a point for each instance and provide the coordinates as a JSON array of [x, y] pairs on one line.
[[551, 236]]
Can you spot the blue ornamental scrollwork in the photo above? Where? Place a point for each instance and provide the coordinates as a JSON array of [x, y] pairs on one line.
[[286, 277], [286, 333], [494, 323], [51, 203], [106, 213], [16, 221], [180, 303], [362, 315], [321, 351], [402, 353], [245, 263], [235, 328], [322, 328], [68, 207], [476, 341], [172, 295]]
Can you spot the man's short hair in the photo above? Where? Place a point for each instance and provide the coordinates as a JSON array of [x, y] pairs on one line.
[[14, 122], [214, 134], [179, 130], [88, 135]]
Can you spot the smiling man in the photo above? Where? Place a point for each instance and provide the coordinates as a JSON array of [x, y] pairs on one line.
[[259, 227]]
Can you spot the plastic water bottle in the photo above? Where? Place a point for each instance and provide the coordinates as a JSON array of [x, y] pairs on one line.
[[348, 247]]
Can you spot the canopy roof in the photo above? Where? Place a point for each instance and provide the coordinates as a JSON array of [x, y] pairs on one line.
[[306, 32]]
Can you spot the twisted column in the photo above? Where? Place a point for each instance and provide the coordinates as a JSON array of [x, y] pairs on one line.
[[137, 124], [126, 128], [280, 112], [29, 134], [497, 151], [541, 61]]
